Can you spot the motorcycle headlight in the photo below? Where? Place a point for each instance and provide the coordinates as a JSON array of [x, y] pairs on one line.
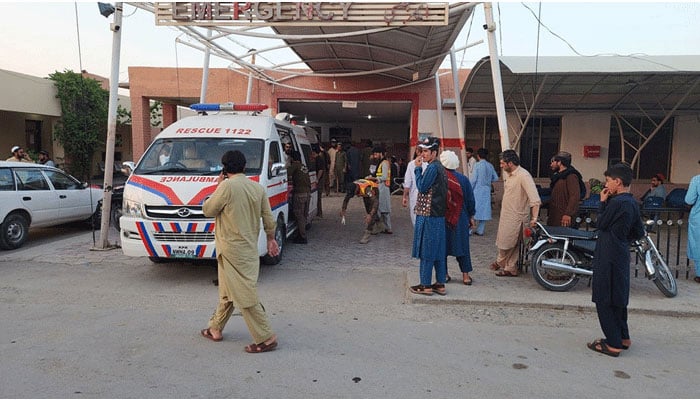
[[132, 209]]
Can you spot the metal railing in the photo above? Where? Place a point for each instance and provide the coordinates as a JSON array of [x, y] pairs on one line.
[[670, 231]]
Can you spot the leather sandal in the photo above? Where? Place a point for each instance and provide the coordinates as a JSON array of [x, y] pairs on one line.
[[599, 346], [420, 289], [494, 267], [439, 288], [504, 272]]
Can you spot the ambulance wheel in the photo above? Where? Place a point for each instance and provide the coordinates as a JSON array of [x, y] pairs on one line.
[[280, 236]]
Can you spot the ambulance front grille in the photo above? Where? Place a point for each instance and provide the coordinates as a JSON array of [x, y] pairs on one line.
[[184, 236], [175, 212]]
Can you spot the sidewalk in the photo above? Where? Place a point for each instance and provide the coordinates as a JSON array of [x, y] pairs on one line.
[[328, 236], [524, 291]]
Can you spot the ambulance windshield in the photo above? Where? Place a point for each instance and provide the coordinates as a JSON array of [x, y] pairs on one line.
[[200, 156]]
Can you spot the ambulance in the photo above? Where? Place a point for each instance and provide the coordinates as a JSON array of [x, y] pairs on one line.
[[162, 214]]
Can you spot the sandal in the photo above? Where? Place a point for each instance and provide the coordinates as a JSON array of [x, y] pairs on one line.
[[504, 272], [420, 289], [207, 334], [599, 346], [494, 267], [261, 347], [626, 346], [468, 282], [697, 279], [439, 288]]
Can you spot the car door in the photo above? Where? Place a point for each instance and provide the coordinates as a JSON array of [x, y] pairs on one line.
[[36, 196], [73, 198]]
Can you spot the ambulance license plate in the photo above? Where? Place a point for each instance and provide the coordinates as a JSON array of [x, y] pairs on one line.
[[183, 252]]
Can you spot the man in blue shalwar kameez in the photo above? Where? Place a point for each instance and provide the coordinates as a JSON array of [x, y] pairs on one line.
[[429, 243]]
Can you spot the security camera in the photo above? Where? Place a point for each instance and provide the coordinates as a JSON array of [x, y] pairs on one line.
[[114, 27]]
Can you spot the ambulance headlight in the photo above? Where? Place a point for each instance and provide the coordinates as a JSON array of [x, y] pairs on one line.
[[132, 209]]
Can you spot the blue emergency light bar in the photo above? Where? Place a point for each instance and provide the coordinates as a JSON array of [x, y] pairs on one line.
[[202, 107]]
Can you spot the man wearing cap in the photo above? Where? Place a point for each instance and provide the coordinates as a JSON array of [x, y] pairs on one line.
[[566, 193], [657, 188], [459, 217], [520, 199], [18, 155], [429, 243], [45, 159]]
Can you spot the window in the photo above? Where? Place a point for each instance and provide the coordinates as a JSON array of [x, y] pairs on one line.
[[6, 181], [31, 179], [274, 157], [61, 181], [656, 155], [306, 151], [540, 141], [483, 132]]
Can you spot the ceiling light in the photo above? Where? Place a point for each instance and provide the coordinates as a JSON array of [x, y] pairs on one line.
[[369, 116], [306, 121]]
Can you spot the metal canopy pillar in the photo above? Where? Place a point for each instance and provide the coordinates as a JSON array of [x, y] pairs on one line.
[[490, 27], [205, 72], [116, 26], [458, 108]]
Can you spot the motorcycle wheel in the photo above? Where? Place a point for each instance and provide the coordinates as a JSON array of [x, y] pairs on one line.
[[551, 279], [663, 277]]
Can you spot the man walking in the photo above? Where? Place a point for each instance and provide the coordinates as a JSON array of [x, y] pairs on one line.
[[382, 175], [520, 198], [238, 204], [566, 192], [482, 181]]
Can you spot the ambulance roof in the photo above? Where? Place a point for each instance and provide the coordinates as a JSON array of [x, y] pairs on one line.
[[226, 125]]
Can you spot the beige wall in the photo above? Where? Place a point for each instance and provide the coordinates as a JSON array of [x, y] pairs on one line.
[[686, 148], [586, 129]]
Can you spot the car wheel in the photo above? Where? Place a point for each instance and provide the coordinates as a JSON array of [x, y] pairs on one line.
[[13, 231], [116, 214]]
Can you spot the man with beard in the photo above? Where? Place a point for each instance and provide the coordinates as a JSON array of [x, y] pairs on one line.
[[520, 199]]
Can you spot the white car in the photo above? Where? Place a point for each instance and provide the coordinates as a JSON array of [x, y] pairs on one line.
[[39, 196]]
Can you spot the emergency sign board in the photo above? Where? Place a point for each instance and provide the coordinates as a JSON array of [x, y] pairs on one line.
[[301, 13]]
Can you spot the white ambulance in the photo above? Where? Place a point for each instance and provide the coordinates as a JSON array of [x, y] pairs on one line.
[[162, 214]]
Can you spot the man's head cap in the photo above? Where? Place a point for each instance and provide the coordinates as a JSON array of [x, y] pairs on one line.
[[15, 148], [449, 159], [430, 142]]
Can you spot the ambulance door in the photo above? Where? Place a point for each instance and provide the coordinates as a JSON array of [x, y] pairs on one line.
[[276, 179], [305, 150]]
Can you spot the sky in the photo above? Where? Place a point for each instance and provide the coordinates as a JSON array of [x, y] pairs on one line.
[[41, 38]]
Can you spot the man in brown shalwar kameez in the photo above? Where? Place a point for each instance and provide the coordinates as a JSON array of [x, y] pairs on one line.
[[566, 192], [238, 204], [520, 199]]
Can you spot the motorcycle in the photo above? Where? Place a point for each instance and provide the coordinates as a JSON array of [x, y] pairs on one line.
[[559, 256]]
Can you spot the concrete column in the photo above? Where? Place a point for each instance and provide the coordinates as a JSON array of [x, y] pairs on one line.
[[169, 114], [140, 125]]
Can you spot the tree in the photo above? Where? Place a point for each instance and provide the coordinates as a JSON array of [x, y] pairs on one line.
[[83, 121]]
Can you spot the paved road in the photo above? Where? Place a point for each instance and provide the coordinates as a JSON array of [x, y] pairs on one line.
[[95, 324]]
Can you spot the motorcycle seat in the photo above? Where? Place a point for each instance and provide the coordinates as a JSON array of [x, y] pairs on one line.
[[571, 233]]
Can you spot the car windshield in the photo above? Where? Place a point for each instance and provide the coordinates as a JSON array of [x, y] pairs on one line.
[[201, 156]]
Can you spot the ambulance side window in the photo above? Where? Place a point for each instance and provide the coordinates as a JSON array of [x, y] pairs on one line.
[[306, 151], [274, 157]]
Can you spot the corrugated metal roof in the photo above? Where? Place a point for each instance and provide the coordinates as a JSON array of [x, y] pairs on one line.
[[569, 84], [602, 64]]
